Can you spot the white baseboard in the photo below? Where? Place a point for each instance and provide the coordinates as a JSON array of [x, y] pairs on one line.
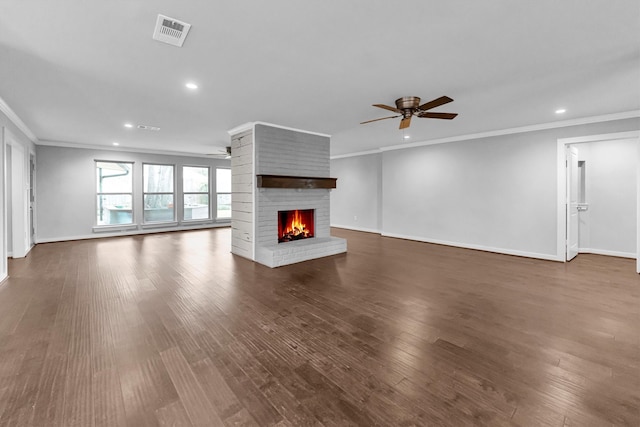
[[548, 257], [349, 227], [131, 233], [607, 253]]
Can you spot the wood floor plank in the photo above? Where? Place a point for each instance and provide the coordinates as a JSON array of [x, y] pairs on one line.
[[173, 415], [199, 409], [108, 407], [172, 329]]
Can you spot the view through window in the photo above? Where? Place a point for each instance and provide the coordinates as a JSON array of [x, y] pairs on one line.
[[195, 188], [223, 193], [158, 193], [114, 193]]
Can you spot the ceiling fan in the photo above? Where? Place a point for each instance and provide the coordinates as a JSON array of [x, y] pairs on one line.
[[409, 106], [222, 153]]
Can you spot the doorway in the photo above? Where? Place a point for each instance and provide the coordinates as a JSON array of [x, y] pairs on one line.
[[571, 184], [17, 201]]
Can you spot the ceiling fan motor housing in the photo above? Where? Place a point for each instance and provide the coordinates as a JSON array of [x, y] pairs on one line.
[[408, 103]]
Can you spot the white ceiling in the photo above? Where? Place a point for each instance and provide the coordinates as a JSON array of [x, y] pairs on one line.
[[75, 71]]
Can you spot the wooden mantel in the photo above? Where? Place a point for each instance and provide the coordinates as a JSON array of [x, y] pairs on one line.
[[284, 181]]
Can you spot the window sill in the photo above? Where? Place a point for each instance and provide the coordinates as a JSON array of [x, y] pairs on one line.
[[196, 221], [159, 225], [114, 227]]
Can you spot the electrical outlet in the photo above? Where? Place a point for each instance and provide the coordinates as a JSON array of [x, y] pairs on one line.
[[355, 217]]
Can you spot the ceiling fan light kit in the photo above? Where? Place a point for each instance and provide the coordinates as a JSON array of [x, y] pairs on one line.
[[409, 106]]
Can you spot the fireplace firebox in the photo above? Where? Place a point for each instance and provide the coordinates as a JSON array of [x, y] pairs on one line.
[[295, 225]]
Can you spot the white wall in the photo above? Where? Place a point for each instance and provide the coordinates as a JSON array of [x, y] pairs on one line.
[[609, 226], [497, 193], [356, 201], [9, 134], [489, 194], [66, 189]]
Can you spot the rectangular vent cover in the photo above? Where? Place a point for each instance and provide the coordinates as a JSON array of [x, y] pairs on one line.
[[170, 31], [145, 127]]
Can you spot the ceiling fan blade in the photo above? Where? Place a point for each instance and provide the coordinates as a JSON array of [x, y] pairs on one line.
[[386, 107], [384, 118], [435, 103], [446, 116], [405, 123]]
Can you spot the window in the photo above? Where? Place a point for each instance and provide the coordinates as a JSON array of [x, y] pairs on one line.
[[114, 193], [223, 193], [195, 188], [157, 181]]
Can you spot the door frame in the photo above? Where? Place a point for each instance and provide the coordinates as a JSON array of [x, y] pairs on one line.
[[561, 232], [19, 199], [571, 206]]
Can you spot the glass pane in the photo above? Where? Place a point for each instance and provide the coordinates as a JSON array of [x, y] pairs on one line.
[[157, 178], [224, 206], [158, 207], [112, 177], [196, 206], [114, 209], [195, 179], [223, 180]]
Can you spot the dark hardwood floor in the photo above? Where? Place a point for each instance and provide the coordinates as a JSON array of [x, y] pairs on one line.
[[172, 330]]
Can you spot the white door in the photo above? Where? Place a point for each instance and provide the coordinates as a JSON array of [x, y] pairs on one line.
[[572, 202]]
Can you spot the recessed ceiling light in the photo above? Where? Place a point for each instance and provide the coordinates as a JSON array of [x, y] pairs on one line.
[[116, 143], [407, 136], [561, 111], [128, 125], [191, 86]]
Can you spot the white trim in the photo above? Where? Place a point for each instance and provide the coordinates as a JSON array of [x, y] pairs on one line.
[[150, 225], [548, 257], [254, 193], [241, 128], [604, 137], [521, 129], [561, 222], [114, 227], [196, 221], [363, 229], [251, 125], [500, 132], [607, 253], [359, 153], [125, 149], [13, 117], [127, 233], [638, 208]]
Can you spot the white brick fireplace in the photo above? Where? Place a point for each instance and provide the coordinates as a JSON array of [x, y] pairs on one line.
[[297, 159]]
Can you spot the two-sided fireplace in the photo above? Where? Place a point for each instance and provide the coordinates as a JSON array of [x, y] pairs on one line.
[[295, 225]]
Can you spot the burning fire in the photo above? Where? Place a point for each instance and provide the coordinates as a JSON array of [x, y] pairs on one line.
[[295, 226]]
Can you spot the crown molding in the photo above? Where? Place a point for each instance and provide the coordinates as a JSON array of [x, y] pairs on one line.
[[356, 154], [251, 125], [125, 149], [521, 129], [13, 117]]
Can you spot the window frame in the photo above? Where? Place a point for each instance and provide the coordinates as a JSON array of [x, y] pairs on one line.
[[218, 218], [99, 194], [208, 193], [172, 194]]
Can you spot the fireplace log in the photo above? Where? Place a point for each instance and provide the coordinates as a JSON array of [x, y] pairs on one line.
[[283, 181]]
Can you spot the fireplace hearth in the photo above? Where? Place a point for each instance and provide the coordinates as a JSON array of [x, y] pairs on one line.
[[295, 225]]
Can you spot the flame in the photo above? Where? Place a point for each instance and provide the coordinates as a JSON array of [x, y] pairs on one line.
[[296, 226]]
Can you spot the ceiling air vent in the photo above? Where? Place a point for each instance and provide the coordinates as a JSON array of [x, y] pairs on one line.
[[170, 31], [145, 127]]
